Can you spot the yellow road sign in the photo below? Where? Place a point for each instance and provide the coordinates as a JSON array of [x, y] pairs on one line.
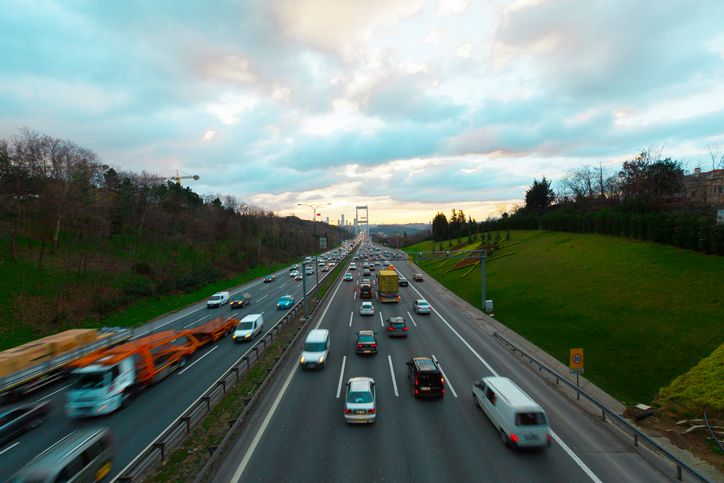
[[576, 360]]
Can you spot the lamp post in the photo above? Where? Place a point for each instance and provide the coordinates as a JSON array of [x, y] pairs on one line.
[[316, 240]]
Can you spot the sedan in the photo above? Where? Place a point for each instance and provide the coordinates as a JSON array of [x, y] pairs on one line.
[[285, 302], [421, 306], [402, 282], [293, 273], [21, 419], [366, 272], [397, 327], [366, 342], [360, 402], [417, 277], [348, 277], [240, 300], [269, 278], [367, 308]]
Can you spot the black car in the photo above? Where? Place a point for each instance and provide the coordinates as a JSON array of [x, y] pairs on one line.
[[426, 377], [402, 282], [269, 278], [20, 419], [366, 342], [397, 327], [240, 300]]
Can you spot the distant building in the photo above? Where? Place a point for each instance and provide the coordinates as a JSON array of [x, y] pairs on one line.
[[326, 220], [342, 220], [706, 189]]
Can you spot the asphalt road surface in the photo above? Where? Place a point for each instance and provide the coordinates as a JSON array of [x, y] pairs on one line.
[[155, 408], [300, 435]]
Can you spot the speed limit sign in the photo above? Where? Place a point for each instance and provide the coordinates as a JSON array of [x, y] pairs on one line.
[[576, 360]]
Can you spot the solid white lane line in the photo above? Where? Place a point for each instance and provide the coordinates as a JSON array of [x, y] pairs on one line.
[[242, 466], [392, 372], [10, 447], [382, 321], [235, 314], [197, 360], [350, 318], [262, 298], [52, 393], [354, 297], [195, 322], [282, 285], [410, 316], [447, 380], [341, 376], [575, 458], [565, 447]]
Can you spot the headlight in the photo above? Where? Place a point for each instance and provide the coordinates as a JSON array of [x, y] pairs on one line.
[[321, 359], [247, 336], [301, 360]]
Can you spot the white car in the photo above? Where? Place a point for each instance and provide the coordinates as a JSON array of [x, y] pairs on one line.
[[218, 299], [367, 308], [293, 273], [360, 402], [421, 306], [353, 266]]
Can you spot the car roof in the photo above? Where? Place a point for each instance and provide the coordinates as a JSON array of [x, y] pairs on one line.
[[366, 302], [366, 332], [317, 335], [514, 395], [421, 301], [425, 364], [65, 449], [360, 383]]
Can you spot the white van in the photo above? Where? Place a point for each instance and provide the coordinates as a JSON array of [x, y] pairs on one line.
[[520, 420], [218, 299], [316, 349], [248, 328]]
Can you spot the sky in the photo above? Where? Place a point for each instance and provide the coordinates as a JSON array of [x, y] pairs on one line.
[[409, 107]]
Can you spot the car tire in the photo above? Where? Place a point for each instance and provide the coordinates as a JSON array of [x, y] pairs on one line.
[[125, 399], [504, 439], [475, 401]]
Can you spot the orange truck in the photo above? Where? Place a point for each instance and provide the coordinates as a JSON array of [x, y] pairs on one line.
[[107, 380]]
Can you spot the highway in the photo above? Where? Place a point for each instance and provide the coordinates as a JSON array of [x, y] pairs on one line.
[[136, 426], [300, 435]]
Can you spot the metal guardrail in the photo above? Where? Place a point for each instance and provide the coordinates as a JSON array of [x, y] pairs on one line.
[[174, 435], [624, 425]]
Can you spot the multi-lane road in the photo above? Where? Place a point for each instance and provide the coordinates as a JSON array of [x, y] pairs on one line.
[[136, 426], [299, 434]]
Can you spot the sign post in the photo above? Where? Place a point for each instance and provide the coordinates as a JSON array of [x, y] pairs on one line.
[[575, 365]]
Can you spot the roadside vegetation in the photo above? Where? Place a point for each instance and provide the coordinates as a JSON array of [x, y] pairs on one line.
[[84, 245], [644, 313]]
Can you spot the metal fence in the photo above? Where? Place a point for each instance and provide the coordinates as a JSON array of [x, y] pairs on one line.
[[174, 435], [606, 414]]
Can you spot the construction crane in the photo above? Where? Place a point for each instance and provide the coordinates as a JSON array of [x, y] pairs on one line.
[[178, 178]]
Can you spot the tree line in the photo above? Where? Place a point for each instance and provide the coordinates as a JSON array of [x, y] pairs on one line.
[[645, 199], [64, 211]]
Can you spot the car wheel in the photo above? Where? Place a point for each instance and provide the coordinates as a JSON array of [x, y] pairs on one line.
[[504, 438], [125, 399], [475, 400]]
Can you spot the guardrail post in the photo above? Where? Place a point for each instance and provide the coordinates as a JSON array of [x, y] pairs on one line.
[[208, 402], [678, 472], [187, 420], [223, 385], [236, 373], [636, 439], [162, 447], [603, 414], [211, 449]]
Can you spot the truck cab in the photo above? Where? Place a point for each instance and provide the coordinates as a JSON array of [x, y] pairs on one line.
[[100, 389]]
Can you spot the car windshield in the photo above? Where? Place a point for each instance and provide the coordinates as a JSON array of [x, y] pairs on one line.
[[215, 297], [366, 338], [398, 325], [314, 346], [90, 381], [285, 300], [529, 419], [422, 304], [245, 326], [359, 397]]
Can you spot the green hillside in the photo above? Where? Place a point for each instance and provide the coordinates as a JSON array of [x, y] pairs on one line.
[[644, 313]]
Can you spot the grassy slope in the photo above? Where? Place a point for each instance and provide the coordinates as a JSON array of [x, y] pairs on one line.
[[644, 313]]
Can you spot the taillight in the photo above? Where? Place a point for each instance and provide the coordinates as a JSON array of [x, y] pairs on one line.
[[417, 383], [359, 346], [442, 380], [417, 391], [390, 328], [347, 411], [548, 438], [371, 411], [405, 328], [514, 438], [374, 346]]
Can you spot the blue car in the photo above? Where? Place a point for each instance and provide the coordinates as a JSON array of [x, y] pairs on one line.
[[285, 302]]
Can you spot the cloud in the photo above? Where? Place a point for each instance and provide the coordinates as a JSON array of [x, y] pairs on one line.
[[452, 7], [232, 68], [465, 51], [208, 136]]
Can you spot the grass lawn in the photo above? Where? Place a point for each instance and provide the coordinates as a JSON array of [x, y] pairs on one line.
[[644, 313]]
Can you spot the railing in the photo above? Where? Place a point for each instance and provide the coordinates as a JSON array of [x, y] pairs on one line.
[[174, 435], [638, 436]]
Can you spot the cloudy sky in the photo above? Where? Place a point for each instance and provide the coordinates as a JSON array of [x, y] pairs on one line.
[[407, 106]]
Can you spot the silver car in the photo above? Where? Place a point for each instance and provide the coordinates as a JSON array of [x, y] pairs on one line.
[[360, 402], [367, 308], [421, 306]]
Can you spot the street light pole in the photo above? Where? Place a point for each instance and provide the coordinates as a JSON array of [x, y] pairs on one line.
[[316, 241], [304, 290]]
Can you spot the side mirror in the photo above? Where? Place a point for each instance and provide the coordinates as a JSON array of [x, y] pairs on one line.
[[408, 363]]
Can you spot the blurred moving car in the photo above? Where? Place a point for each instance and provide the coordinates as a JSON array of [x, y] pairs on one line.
[[21, 419], [366, 342], [270, 278], [83, 455], [348, 277], [316, 349], [417, 277], [421, 306], [240, 300], [293, 273], [248, 328], [360, 402], [397, 327], [298, 276], [402, 282], [285, 302]]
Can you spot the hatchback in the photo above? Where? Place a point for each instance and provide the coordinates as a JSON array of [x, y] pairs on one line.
[[426, 377], [397, 327], [285, 302], [366, 342], [367, 308], [348, 277]]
